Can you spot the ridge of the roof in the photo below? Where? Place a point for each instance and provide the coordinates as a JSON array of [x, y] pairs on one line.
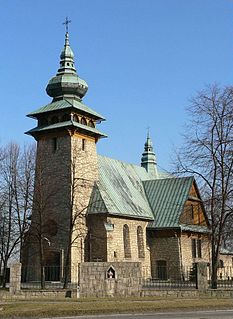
[[120, 185]]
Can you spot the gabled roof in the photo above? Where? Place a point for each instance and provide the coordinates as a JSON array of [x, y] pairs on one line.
[[66, 124], [128, 190], [120, 190], [65, 104], [167, 198]]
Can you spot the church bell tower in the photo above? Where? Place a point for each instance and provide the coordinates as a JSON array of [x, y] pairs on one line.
[[66, 170]]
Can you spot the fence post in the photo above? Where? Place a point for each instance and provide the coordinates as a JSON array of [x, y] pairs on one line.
[[15, 278], [201, 273]]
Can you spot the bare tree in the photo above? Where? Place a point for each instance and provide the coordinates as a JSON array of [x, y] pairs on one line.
[[37, 238], [15, 200], [81, 187], [208, 154]]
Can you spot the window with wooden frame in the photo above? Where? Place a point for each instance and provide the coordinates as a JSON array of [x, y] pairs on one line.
[[196, 248]]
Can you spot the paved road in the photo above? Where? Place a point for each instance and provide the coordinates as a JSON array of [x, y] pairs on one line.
[[215, 314]]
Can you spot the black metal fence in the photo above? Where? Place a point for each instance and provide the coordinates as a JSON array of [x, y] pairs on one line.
[[53, 277], [173, 278], [224, 277]]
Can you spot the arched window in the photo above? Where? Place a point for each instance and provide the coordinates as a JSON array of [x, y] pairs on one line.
[[140, 241], [75, 118], [126, 239], [91, 123], [65, 117], [83, 121], [54, 120]]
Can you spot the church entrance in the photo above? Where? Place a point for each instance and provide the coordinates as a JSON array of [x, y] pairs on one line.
[[162, 269], [52, 266]]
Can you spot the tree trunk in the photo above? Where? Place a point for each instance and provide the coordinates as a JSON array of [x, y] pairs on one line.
[[4, 279], [42, 270], [214, 275]]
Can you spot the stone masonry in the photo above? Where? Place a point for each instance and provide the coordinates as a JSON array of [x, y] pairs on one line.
[[64, 181], [96, 282], [15, 278], [108, 245]]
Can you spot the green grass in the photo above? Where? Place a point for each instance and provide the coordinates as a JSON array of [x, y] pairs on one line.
[[106, 306]]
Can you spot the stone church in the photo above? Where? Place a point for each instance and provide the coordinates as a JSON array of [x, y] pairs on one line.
[[89, 207]]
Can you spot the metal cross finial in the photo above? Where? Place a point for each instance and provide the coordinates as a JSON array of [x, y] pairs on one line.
[[66, 23], [148, 131]]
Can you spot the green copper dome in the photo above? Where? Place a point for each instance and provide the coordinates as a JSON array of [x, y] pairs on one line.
[[67, 83]]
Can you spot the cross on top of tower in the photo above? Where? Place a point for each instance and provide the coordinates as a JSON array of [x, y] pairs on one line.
[[148, 131], [66, 23]]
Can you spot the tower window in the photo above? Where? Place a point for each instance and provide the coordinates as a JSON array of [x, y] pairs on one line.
[[54, 144], [75, 118], [83, 121], [91, 123], [83, 144]]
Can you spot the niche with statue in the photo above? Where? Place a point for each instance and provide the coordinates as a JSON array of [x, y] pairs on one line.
[[111, 273]]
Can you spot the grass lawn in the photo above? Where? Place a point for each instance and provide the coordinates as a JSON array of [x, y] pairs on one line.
[[42, 308]]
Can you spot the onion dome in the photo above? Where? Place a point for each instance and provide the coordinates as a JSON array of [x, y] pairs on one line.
[[67, 83]]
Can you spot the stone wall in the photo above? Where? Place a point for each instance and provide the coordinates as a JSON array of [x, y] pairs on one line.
[[15, 279], [115, 242], [176, 250], [108, 244], [165, 249], [51, 203], [103, 279], [65, 174], [186, 249], [97, 237], [84, 173]]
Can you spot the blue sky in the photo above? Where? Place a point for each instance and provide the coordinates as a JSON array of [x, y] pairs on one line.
[[142, 60]]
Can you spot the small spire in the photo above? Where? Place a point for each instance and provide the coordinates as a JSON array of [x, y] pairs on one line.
[[67, 83], [148, 160]]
